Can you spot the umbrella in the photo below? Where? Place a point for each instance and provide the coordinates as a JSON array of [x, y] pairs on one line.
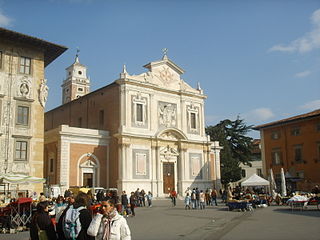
[[283, 184], [272, 181]]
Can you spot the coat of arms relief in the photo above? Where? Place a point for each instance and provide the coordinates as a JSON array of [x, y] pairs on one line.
[[167, 114]]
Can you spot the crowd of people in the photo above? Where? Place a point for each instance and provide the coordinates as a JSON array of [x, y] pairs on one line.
[[86, 216], [199, 199]]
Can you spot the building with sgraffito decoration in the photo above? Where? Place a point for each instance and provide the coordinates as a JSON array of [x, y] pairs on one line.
[[23, 95]]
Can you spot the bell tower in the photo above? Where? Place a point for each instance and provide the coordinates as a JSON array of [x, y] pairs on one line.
[[76, 83]]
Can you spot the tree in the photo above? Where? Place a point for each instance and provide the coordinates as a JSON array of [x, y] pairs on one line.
[[237, 147]]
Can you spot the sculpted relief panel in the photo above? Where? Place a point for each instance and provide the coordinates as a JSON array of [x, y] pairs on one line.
[[24, 88], [167, 113]]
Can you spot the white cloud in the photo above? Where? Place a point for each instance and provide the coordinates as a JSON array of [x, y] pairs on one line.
[[306, 43], [302, 74], [311, 105], [258, 114], [4, 20]]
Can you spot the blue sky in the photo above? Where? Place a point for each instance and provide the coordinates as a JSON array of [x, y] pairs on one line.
[[257, 59]]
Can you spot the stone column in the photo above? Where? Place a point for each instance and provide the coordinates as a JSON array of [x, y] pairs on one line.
[[152, 111], [154, 169], [158, 167], [64, 157], [215, 150], [182, 167], [123, 173], [201, 120]]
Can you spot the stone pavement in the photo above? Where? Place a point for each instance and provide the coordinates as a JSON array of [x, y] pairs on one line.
[[276, 222], [163, 221]]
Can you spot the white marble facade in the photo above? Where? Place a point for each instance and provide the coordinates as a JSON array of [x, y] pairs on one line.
[[163, 126]]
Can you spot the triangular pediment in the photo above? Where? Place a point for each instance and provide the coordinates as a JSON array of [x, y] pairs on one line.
[[164, 73], [88, 164], [168, 151], [165, 62]]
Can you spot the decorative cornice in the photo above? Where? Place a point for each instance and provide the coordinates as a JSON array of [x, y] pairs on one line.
[[21, 136], [23, 99], [158, 88]]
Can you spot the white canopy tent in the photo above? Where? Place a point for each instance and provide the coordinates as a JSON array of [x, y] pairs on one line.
[[20, 179], [16, 179], [255, 180]]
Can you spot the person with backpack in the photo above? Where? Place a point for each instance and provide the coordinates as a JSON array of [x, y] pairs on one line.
[[41, 224], [109, 224], [76, 219]]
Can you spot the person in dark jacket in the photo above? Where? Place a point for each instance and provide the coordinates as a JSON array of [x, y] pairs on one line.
[[124, 202], [42, 221], [85, 218], [133, 201]]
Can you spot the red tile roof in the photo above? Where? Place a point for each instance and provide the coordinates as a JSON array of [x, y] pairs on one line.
[[312, 114]]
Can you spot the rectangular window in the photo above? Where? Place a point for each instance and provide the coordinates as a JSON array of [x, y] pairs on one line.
[[25, 65], [318, 127], [298, 153], [21, 150], [295, 131], [275, 135], [23, 115], [193, 120], [101, 118], [276, 156], [139, 112]]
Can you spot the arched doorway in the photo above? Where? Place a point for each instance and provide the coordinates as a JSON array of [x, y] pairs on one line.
[[170, 168], [88, 171]]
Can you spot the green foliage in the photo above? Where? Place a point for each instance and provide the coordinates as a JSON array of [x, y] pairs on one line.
[[237, 147]]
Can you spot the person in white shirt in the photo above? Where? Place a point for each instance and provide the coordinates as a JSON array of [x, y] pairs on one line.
[[109, 224]]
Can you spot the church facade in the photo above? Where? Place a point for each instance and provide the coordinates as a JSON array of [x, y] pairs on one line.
[[142, 131]]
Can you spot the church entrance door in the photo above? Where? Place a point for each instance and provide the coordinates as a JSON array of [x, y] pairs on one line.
[[168, 177], [88, 179]]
